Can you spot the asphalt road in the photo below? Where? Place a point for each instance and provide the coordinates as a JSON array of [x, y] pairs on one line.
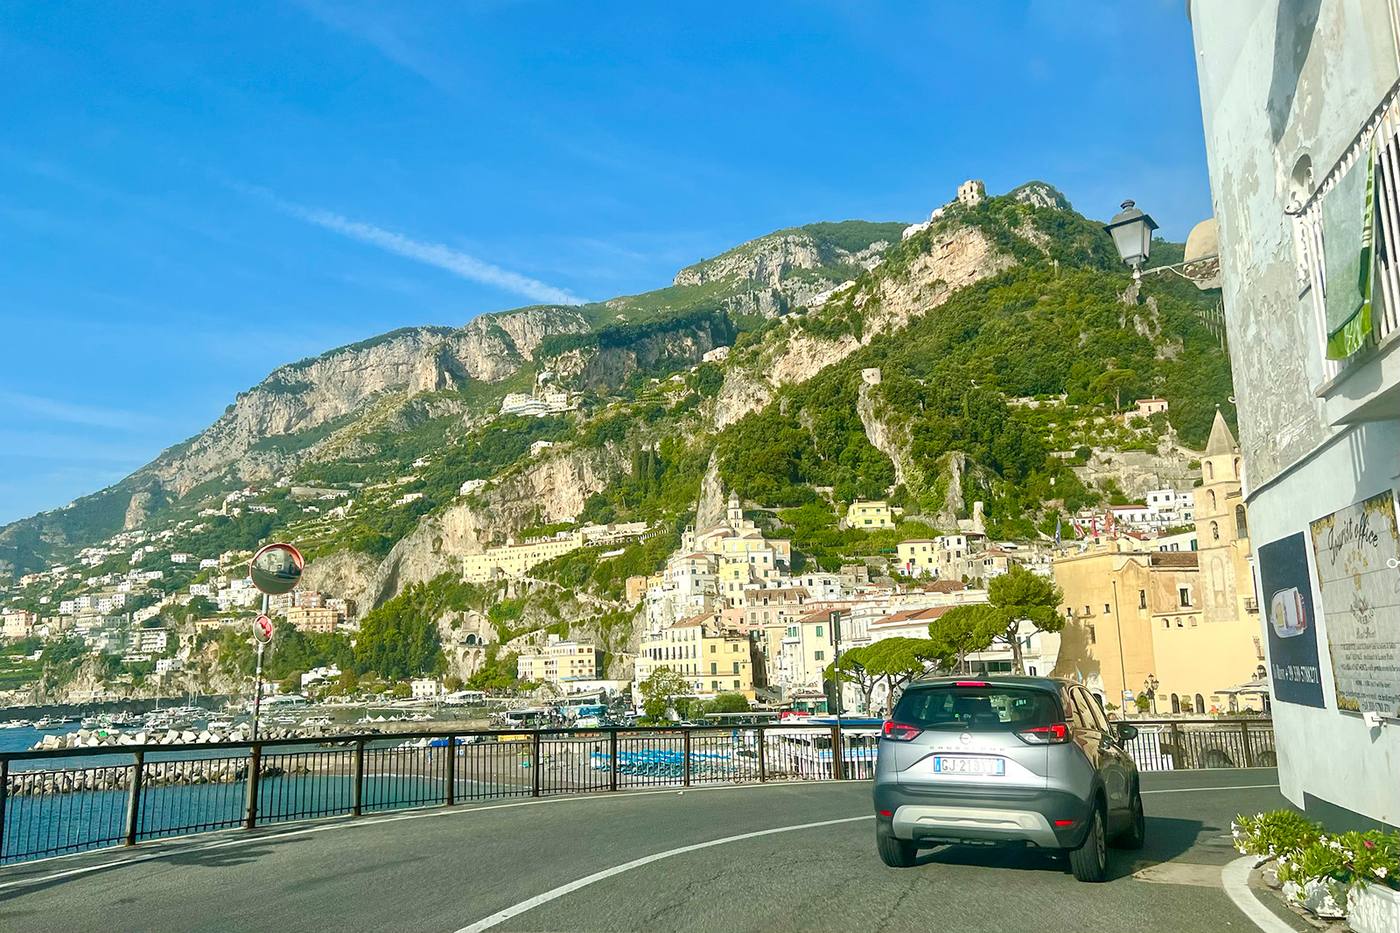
[[446, 870]]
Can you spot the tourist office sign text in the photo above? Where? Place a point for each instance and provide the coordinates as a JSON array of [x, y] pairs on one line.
[[1357, 550]]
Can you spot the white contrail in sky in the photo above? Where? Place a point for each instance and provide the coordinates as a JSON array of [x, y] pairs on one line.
[[435, 254]]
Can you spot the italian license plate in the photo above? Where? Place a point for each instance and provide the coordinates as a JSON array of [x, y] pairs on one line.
[[955, 764]]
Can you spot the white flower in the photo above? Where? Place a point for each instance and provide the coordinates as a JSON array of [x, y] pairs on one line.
[[1243, 851], [1380, 871]]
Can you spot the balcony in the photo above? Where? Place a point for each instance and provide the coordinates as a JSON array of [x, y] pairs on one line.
[[1251, 604], [1365, 386]]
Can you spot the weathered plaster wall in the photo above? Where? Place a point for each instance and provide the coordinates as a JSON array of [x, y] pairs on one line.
[[1281, 80]]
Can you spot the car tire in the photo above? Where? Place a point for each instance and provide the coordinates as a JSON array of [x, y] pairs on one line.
[[894, 852], [1089, 862], [1135, 833]]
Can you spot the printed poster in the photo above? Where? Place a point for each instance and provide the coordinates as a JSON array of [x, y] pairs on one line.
[[1289, 621], [1358, 576]]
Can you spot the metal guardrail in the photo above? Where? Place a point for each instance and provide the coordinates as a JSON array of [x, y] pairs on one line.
[[1182, 744], [59, 801]]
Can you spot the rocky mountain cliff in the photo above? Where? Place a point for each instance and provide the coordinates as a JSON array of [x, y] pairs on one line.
[[977, 360]]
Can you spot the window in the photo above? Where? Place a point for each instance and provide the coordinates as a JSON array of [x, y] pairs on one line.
[[1176, 703], [1214, 534], [713, 648], [1193, 621], [819, 631], [1166, 623], [1210, 470], [1142, 599], [819, 655], [1184, 594], [736, 685], [1241, 523], [1086, 610], [1093, 638], [1105, 608], [736, 667], [1200, 704], [1213, 507], [1031, 670]]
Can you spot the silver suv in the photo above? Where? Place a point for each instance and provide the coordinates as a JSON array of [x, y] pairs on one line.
[[1005, 760]]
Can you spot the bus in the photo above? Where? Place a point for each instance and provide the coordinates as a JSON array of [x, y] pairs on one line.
[[806, 753]]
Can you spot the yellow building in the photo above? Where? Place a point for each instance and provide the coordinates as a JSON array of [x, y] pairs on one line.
[[515, 560], [1189, 619], [1226, 649], [712, 658], [869, 515], [559, 661], [918, 557], [314, 618]]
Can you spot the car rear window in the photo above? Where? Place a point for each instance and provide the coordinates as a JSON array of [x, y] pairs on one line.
[[977, 709]]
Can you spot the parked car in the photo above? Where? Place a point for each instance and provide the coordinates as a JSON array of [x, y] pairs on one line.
[[1005, 760]]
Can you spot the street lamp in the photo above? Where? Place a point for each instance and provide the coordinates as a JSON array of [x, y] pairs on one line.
[[1149, 687], [1131, 230]]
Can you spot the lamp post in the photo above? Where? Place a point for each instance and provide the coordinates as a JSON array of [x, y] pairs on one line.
[[1131, 231], [1149, 687]]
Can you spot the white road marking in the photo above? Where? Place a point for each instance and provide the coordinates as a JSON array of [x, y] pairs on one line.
[[515, 910], [1196, 790], [178, 845], [1235, 878]]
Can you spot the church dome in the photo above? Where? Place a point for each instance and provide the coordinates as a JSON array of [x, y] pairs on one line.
[[1203, 242]]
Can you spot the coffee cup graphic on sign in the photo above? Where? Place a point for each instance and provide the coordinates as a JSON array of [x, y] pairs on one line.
[[1286, 613]]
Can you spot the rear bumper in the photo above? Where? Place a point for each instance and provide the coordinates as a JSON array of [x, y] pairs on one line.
[[1028, 817]]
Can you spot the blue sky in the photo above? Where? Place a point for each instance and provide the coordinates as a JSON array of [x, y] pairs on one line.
[[191, 195]]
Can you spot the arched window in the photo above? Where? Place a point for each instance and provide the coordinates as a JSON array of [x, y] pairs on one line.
[[1217, 581], [1212, 501], [1237, 468], [1215, 531], [1176, 703], [1210, 470], [1241, 523], [1200, 704]]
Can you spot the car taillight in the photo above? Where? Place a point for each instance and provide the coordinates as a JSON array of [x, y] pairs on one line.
[[1056, 733], [971, 683], [900, 732]]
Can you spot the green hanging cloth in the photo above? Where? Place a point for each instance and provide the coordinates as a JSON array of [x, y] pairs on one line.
[[1349, 229]]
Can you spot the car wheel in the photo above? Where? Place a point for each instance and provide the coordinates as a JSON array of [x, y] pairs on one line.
[[1090, 861], [1135, 834], [894, 852]]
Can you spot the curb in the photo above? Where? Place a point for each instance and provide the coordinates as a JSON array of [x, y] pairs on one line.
[[1234, 877]]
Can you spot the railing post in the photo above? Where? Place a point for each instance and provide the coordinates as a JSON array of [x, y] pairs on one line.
[[1179, 751], [612, 760], [133, 798], [535, 764], [685, 765], [357, 782], [4, 793], [1244, 739], [451, 770], [762, 755], [838, 755], [254, 769]]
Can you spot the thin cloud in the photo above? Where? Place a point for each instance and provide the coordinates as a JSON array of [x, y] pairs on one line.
[[115, 419], [436, 254], [443, 257]]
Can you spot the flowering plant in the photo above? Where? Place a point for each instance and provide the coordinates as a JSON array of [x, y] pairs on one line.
[[1350, 858], [1274, 833]]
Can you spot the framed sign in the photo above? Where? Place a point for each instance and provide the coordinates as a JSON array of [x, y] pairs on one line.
[[1358, 576], [1289, 621]]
